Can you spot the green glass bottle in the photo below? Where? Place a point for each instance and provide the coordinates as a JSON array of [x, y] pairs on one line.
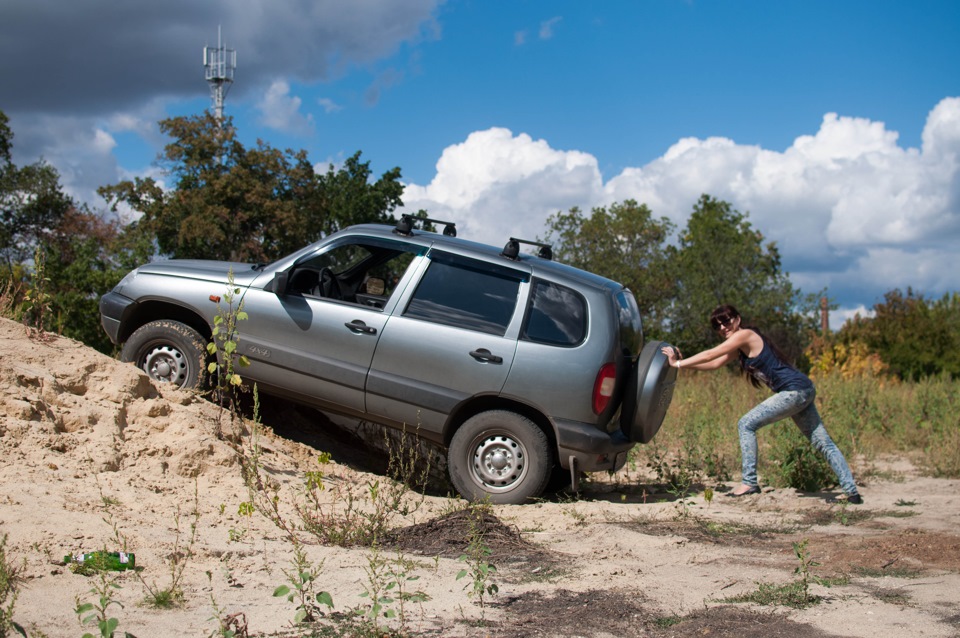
[[113, 561]]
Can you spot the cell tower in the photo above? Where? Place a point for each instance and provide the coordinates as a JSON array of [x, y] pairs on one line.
[[220, 63]]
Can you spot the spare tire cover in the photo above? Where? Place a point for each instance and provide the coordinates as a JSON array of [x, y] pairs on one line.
[[648, 394]]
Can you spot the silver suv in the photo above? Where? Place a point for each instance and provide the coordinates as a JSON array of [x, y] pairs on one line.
[[524, 369]]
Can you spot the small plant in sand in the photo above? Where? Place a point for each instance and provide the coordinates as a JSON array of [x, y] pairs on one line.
[[36, 299], [172, 594], [228, 625], [349, 513], [301, 587], [478, 568], [11, 577], [387, 588], [803, 573], [795, 594], [227, 382], [98, 613]]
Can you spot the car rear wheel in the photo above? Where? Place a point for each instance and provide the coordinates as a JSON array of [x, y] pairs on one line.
[[649, 393], [501, 456], [169, 352]]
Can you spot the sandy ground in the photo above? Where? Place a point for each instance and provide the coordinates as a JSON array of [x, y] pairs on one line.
[[95, 455]]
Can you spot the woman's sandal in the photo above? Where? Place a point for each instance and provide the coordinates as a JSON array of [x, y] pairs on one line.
[[754, 489]]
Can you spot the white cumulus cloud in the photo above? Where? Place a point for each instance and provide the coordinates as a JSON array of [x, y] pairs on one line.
[[281, 111], [849, 208]]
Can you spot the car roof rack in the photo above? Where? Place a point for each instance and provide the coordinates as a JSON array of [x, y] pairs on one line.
[[406, 223], [512, 249]]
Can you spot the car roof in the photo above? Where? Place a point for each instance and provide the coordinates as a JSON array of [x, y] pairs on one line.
[[534, 264]]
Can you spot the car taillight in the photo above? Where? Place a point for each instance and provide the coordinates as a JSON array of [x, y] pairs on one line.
[[603, 387]]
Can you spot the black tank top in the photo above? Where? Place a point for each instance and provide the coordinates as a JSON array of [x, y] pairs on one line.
[[776, 374]]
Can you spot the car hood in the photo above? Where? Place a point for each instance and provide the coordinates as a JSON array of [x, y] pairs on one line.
[[207, 270]]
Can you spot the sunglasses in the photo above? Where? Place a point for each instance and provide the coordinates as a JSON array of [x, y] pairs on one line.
[[721, 321]]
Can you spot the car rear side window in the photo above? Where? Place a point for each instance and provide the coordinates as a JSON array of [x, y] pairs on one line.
[[466, 293], [557, 315]]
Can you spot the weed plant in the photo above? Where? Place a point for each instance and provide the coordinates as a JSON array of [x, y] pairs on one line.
[[478, 569], [338, 511], [98, 613], [387, 590], [795, 594], [171, 595], [227, 382], [36, 299], [302, 589], [11, 577]]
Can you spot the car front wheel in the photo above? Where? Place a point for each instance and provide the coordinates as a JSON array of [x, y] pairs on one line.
[[499, 455], [168, 351]]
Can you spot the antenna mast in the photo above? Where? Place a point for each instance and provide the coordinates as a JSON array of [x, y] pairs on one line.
[[220, 63]]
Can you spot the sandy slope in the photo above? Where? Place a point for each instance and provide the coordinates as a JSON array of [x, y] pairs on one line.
[[92, 450]]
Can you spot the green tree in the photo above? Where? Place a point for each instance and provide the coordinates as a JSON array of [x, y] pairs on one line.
[[623, 242], [6, 142], [83, 255], [31, 204], [722, 259], [914, 336], [230, 202]]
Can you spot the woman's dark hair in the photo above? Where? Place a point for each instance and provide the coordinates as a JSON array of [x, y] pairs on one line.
[[726, 312]]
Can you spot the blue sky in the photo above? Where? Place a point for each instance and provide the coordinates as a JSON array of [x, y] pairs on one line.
[[834, 125]]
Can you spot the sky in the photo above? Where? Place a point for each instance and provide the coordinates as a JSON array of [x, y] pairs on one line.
[[833, 125]]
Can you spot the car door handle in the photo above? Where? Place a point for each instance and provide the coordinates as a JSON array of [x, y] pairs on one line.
[[485, 356], [359, 327]]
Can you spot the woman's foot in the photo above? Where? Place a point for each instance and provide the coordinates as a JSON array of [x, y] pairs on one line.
[[854, 499], [744, 490]]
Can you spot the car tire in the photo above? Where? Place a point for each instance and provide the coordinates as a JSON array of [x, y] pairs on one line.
[[501, 456], [169, 352], [648, 395]]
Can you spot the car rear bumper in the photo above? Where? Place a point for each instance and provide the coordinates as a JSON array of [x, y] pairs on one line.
[[593, 449]]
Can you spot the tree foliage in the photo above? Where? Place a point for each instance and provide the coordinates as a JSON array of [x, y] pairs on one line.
[[915, 336], [257, 204], [31, 204], [623, 242], [83, 255], [721, 259]]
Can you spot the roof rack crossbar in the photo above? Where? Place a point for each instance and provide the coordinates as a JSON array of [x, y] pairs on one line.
[[512, 249], [407, 221]]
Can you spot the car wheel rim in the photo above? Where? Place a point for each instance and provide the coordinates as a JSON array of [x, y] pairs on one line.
[[166, 364], [499, 462]]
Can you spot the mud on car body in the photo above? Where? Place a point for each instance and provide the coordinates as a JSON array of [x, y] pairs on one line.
[[522, 368]]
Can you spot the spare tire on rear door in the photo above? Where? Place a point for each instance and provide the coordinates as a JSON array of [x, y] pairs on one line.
[[648, 394]]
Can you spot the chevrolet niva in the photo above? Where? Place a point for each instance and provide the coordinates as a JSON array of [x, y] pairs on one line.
[[525, 370]]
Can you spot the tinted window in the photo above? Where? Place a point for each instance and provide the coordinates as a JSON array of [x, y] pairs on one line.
[[466, 294], [557, 315]]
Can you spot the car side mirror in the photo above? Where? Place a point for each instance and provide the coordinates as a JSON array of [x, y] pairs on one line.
[[279, 283]]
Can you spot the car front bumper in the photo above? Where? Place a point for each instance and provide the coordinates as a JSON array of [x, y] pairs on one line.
[[113, 308]]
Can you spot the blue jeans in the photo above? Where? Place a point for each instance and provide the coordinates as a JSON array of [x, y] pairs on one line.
[[799, 405]]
